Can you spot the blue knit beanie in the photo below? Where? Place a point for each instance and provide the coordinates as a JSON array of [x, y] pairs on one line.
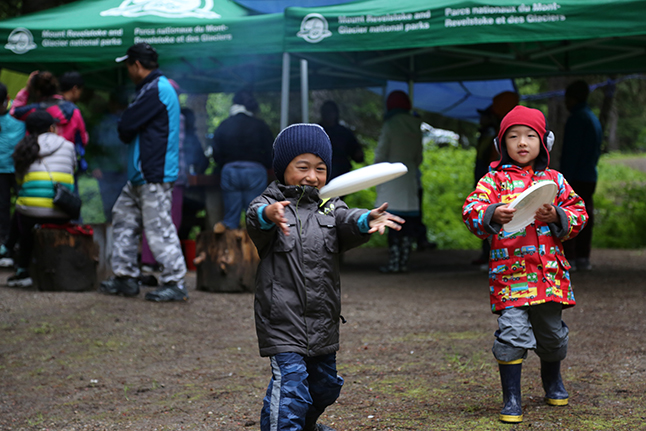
[[299, 139]]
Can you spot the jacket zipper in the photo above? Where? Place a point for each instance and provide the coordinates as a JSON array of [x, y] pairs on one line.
[[300, 236]]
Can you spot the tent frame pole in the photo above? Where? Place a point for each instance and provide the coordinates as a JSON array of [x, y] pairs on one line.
[[305, 112], [284, 92]]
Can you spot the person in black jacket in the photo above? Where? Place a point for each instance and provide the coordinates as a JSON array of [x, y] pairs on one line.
[[242, 149], [299, 238]]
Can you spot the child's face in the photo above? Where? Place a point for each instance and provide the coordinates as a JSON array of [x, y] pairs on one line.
[[523, 145], [306, 170]]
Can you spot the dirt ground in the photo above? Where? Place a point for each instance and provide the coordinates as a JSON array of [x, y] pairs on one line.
[[415, 354]]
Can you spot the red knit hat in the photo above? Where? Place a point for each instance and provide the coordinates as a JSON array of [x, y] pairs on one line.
[[523, 116], [398, 100]]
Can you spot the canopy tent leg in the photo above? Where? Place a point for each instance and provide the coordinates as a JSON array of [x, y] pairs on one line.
[[284, 96], [305, 114]]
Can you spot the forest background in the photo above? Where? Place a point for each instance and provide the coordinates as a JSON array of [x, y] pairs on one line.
[[447, 170]]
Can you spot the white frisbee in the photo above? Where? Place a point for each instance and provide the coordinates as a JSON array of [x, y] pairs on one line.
[[362, 178], [528, 202]]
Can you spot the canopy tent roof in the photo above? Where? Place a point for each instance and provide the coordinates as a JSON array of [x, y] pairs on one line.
[[218, 45], [450, 40], [193, 37]]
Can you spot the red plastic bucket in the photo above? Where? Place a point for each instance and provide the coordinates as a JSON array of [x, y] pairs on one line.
[[188, 247]]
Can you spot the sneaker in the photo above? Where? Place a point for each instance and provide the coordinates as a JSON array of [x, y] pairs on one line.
[[320, 427], [168, 292], [6, 258], [20, 279], [126, 286]]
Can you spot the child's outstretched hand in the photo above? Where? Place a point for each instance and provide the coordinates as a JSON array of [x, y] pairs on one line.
[[503, 214], [276, 214], [547, 214], [379, 220]]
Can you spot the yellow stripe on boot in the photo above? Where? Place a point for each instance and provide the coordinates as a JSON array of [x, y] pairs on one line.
[[511, 419]]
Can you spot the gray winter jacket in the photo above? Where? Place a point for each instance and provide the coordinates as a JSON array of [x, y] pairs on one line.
[[298, 291]]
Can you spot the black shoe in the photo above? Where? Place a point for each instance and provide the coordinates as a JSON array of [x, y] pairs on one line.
[[20, 279], [126, 286], [166, 293], [320, 427]]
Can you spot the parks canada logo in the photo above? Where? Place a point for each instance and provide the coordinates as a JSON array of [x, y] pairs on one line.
[[164, 8], [314, 28], [20, 41]]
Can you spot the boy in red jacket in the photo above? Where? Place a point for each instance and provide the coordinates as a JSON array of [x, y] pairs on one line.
[[529, 281]]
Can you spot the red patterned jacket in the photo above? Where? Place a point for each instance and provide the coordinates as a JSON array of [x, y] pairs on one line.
[[527, 267]]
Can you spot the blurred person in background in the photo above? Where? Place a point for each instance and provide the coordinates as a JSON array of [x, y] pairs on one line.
[[581, 151], [400, 141], [345, 147], [242, 148], [11, 132], [110, 162]]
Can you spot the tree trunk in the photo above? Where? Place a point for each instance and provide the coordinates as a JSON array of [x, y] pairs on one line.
[[63, 261], [226, 262]]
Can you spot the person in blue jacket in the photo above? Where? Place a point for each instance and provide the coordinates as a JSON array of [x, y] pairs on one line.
[[11, 132], [581, 152], [150, 126]]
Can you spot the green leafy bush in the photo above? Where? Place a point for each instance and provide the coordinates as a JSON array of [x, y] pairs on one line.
[[447, 178], [620, 205]]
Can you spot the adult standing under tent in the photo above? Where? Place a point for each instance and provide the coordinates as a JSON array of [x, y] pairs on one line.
[[581, 151], [150, 127], [11, 132], [345, 147], [110, 164], [486, 153], [242, 148], [400, 141]]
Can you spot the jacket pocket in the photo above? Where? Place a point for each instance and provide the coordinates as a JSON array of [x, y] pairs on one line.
[[328, 232], [285, 243]]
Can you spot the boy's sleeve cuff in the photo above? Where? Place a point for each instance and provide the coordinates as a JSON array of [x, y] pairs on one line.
[[363, 223], [264, 225]]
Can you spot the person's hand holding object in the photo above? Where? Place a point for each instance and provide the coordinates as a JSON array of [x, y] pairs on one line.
[[503, 214], [547, 214]]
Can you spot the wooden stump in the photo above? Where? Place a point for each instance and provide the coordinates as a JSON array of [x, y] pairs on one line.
[[226, 262], [62, 261]]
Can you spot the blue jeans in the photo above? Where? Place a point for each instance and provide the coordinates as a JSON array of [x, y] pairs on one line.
[[299, 391], [241, 183]]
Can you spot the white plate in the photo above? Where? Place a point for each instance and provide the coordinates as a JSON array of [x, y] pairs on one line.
[[362, 178], [528, 202]]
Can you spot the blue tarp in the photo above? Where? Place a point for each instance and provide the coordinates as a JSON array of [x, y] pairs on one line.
[[279, 6], [459, 100]]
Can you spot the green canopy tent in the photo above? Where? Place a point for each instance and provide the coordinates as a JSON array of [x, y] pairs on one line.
[[459, 40], [209, 46]]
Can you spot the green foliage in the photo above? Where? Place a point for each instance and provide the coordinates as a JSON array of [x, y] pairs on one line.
[[447, 177], [620, 205], [92, 208]]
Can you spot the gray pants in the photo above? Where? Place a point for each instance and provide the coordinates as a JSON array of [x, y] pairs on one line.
[[537, 327], [148, 207]]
